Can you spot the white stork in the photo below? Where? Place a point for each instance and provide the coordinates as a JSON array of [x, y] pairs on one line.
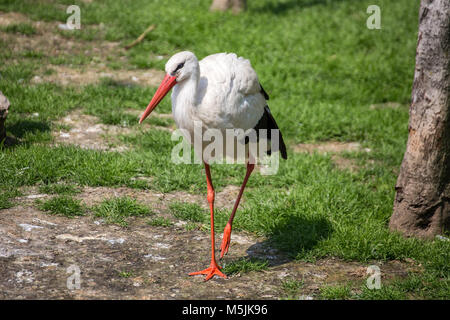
[[221, 91]]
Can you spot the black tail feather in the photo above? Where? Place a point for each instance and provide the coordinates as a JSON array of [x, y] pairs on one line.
[[268, 122]]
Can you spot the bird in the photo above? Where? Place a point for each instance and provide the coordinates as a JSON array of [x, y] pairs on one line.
[[222, 92]]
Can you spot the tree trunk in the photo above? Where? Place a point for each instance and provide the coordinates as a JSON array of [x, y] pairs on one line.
[[223, 5], [422, 201]]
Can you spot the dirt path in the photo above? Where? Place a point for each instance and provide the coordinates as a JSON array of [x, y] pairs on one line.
[[142, 261]]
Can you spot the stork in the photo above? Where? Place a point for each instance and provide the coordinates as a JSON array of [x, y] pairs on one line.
[[222, 91]]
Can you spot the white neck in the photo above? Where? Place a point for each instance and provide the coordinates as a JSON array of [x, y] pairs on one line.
[[185, 92], [184, 100]]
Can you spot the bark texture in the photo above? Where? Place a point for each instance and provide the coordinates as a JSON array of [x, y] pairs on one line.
[[4, 106], [235, 5], [422, 201]]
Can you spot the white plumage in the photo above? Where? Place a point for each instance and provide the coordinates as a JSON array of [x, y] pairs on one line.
[[225, 93], [222, 91]]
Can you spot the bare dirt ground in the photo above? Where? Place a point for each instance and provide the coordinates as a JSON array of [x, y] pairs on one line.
[[145, 262], [87, 132]]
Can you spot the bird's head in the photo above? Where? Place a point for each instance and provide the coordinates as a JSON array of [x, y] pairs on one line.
[[180, 67]]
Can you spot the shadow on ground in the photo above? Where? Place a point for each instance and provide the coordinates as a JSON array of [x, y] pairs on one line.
[[19, 130], [293, 238]]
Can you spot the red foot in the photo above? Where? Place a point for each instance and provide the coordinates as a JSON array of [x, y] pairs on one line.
[[213, 270], [225, 240]]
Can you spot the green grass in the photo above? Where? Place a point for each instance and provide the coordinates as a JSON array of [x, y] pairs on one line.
[[199, 217], [62, 205], [384, 293], [245, 265], [59, 188], [160, 222], [117, 210], [6, 198], [415, 286], [187, 211], [339, 292], [23, 28], [125, 274], [161, 122], [191, 226], [119, 119], [291, 288], [322, 68]]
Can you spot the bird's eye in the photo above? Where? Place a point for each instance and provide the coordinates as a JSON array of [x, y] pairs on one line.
[[179, 67]]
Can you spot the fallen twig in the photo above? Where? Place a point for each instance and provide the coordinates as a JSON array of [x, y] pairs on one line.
[[141, 37]]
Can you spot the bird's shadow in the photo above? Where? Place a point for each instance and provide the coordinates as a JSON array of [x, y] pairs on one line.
[[290, 239], [19, 129]]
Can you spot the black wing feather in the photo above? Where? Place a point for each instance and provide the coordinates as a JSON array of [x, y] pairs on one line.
[[264, 93], [268, 122]]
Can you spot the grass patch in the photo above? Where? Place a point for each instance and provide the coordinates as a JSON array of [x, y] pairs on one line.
[[5, 198], [390, 292], [62, 205], [198, 217], [162, 122], [22, 28], [415, 286], [117, 210], [160, 222], [291, 288], [339, 292], [32, 54], [191, 226], [245, 265], [59, 188], [126, 274], [119, 119], [187, 211]]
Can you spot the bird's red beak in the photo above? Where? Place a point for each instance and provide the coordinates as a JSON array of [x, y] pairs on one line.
[[165, 86]]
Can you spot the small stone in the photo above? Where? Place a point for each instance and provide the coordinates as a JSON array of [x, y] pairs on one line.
[[160, 245], [35, 196], [29, 227], [114, 241], [36, 79], [154, 257]]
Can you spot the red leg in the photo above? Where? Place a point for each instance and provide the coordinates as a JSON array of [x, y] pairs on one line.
[[214, 268], [227, 232]]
